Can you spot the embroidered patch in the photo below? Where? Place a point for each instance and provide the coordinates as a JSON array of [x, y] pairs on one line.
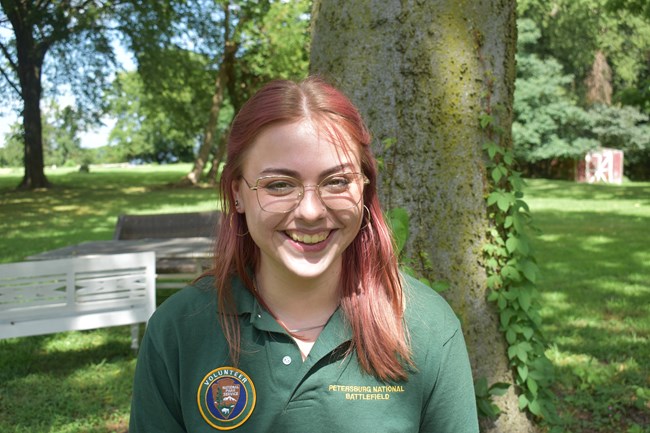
[[226, 398]]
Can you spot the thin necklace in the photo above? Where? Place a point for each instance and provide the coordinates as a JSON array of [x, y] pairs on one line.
[[308, 328], [258, 295]]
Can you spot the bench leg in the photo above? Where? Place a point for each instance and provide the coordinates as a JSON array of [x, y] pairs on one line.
[[135, 336]]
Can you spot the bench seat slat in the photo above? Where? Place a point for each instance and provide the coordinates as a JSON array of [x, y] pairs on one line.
[[76, 293]]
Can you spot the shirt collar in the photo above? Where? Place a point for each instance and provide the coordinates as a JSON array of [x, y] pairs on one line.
[[336, 331]]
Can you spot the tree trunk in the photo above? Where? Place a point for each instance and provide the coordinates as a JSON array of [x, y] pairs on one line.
[[418, 70], [194, 176], [221, 82], [34, 176], [30, 55]]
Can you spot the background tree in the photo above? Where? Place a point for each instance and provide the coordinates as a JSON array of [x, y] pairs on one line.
[[577, 60], [73, 32], [550, 127], [241, 44], [422, 76], [164, 127]]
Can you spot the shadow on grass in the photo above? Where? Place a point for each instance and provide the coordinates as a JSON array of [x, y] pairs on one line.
[[85, 379], [85, 207], [596, 312], [63, 353], [639, 191]]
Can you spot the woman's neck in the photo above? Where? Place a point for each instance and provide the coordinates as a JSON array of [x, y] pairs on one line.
[[296, 302]]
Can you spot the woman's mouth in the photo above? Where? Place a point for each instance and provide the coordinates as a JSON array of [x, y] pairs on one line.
[[308, 238]]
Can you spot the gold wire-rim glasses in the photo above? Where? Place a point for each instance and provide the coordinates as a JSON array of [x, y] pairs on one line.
[[295, 191]]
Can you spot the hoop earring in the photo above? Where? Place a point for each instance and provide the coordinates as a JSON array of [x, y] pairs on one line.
[[368, 220], [231, 227]]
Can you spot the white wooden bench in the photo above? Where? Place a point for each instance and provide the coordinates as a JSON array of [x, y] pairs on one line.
[[88, 292], [174, 273]]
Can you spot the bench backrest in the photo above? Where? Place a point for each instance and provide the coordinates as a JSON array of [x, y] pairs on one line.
[[48, 296], [174, 225]]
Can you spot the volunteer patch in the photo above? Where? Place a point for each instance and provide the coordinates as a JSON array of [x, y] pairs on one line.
[[226, 398]]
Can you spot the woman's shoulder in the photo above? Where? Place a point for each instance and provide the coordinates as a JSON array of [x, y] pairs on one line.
[[196, 293], [426, 310], [196, 300]]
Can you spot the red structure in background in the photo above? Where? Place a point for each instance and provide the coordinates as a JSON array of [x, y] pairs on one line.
[[603, 165]]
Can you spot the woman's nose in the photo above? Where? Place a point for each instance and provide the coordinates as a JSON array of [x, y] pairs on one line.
[[311, 205]]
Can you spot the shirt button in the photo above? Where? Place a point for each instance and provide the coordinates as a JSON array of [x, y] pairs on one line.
[[286, 360], [259, 316]]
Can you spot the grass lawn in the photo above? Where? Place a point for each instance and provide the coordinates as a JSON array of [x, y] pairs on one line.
[[77, 381], [594, 254], [84, 206], [595, 295]]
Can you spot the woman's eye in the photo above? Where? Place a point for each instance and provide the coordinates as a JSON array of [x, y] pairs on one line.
[[339, 182], [279, 187]]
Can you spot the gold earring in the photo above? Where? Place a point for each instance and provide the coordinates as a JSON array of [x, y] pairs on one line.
[[368, 220], [231, 226]]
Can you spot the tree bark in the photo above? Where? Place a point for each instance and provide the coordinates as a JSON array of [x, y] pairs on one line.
[[34, 175], [417, 70], [30, 55], [221, 82]]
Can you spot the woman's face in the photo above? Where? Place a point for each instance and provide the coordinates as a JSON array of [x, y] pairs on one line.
[[308, 241]]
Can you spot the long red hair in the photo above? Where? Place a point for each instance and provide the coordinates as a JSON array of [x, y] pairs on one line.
[[370, 286]]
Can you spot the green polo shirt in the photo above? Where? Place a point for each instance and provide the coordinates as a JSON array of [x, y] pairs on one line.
[[184, 381]]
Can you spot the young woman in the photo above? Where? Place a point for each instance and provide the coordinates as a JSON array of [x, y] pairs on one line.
[[304, 324]]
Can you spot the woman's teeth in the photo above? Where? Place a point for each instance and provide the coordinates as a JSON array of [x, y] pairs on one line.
[[308, 239]]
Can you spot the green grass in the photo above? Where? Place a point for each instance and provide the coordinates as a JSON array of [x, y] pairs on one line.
[[85, 206], [594, 253], [77, 381]]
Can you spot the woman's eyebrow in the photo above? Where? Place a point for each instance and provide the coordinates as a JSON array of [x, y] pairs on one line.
[[294, 173]]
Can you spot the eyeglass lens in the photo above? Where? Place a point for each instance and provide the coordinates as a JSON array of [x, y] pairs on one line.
[[283, 194]]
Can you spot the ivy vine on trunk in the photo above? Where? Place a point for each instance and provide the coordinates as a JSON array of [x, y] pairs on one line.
[[510, 264]]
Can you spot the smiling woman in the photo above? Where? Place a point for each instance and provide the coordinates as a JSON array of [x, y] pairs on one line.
[[304, 323]]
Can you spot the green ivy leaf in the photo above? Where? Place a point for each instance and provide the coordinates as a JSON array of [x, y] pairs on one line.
[[480, 387], [485, 120], [517, 244], [535, 407], [504, 201], [497, 174], [499, 388], [502, 302], [494, 281], [525, 299], [493, 197], [511, 272], [523, 402], [505, 317], [532, 386], [398, 220], [528, 332], [530, 270], [440, 286], [522, 370]]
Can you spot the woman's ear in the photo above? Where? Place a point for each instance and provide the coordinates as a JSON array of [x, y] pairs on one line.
[[239, 203]]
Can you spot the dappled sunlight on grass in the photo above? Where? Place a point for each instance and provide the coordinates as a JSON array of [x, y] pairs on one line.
[[85, 206], [85, 378], [594, 258]]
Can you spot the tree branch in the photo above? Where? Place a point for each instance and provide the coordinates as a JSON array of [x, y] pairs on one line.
[[7, 55], [11, 83]]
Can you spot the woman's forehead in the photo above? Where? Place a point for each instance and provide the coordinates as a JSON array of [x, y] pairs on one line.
[[302, 145]]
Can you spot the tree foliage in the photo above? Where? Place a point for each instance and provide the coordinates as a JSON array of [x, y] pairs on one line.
[[553, 124], [75, 35], [143, 130], [215, 54]]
